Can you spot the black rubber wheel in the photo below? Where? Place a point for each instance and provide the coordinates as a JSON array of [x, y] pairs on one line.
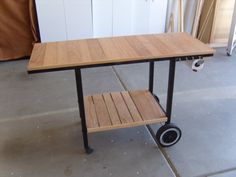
[[156, 98], [168, 135], [228, 54]]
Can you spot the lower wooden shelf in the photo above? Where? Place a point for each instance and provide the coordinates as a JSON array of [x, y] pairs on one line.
[[115, 110]]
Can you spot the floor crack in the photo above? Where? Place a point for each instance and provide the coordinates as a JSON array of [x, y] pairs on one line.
[[149, 129]]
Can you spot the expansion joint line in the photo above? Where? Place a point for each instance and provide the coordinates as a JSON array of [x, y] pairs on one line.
[[149, 129]]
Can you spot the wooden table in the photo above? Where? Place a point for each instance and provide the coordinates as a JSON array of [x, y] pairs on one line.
[[114, 110]]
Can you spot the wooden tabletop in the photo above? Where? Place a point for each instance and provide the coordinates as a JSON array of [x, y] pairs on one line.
[[72, 54]]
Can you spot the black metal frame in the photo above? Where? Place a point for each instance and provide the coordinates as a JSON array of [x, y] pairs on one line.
[[37, 22], [170, 90], [151, 75], [79, 86], [80, 96]]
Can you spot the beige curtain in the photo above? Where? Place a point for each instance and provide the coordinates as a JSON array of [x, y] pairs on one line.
[[18, 29]]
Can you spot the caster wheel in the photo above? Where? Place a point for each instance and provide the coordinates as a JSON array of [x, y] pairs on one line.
[[228, 54], [156, 98], [168, 135], [89, 150]]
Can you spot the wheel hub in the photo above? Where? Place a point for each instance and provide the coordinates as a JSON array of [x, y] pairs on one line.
[[170, 136]]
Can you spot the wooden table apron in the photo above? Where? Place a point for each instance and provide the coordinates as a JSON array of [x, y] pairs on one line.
[[204, 52]]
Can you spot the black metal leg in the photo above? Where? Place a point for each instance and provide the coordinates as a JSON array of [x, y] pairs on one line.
[[151, 78], [170, 89], [81, 109], [151, 75]]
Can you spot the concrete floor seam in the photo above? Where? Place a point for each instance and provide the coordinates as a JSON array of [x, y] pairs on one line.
[[40, 115], [213, 93], [218, 172], [164, 154], [161, 150]]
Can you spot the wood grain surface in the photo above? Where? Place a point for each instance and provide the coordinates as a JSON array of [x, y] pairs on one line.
[[71, 54], [115, 110]]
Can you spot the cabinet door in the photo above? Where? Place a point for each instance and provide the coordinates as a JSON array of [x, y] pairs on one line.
[[122, 17], [78, 15], [51, 20], [157, 16], [140, 16], [102, 18]]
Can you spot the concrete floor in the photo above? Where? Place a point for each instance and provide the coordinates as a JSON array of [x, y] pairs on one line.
[[41, 135]]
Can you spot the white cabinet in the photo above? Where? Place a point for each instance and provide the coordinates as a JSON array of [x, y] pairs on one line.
[[102, 18], [140, 16], [157, 16], [78, 19], [122, 17], [112, 17], [51, 19], [127, 17], [78, 14], [61, 20], [149, 16]]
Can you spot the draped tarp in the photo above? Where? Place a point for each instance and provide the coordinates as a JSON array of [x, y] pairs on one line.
[[18, 28]]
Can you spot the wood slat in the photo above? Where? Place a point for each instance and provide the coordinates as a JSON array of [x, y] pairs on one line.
[[95, 49], [73, 51], [148, 45], [170, 44], [138, 46], [90, 112], [109, 48], [127, 125], [146, 104], [153, 104], [158, 45], [114, 49], [83, 48], [38, 54], [51, 55], [101, 111], [111, 109], [122, 45], [121, 107], [121, 110], [131, 106], [62, 54]]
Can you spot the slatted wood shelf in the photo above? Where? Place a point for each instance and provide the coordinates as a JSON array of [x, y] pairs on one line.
[[124, 109]]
